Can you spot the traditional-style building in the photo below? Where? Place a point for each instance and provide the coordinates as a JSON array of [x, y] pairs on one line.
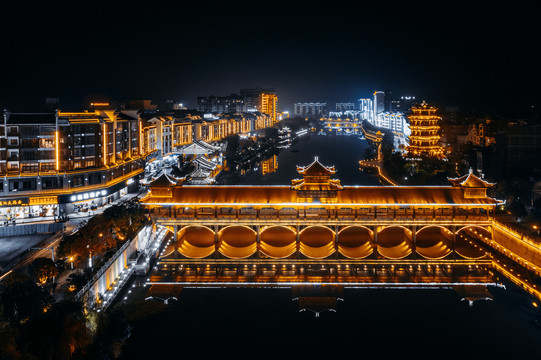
[[425, 132]]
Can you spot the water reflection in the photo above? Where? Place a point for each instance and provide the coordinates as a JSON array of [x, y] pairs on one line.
[[280, 167], [258, 301]]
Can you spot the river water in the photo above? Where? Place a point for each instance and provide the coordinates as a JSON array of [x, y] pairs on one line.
[[380, 323], [342, 151]]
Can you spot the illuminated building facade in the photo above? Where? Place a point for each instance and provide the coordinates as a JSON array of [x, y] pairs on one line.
[[425, 132], [366, 106], [317, 218], [395, 122], [55, 163], [379, 102], [268, 104]]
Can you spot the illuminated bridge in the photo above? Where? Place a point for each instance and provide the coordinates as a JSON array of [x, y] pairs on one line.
[[318, 231]]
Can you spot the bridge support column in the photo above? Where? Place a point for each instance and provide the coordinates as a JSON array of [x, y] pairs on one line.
[[175, 233], [216, 240], [258, 239], [414, 241], [336, 241], [297, 240], [453, 241], [375, 253]]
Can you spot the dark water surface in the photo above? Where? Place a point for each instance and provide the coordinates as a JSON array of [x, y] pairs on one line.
[[368, 323], [344, 152], [385, 323]]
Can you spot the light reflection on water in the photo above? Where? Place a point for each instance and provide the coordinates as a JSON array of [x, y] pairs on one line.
[[342, 151], [386, 323]]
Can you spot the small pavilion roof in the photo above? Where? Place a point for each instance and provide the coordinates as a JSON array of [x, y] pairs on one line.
[[316, 169], [163, 180], [198, 147], [470, 181]]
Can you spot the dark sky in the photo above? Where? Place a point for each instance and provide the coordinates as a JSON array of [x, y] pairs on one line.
[[476, 57]]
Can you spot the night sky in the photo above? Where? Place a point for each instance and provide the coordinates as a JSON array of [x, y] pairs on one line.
[[475, 57]]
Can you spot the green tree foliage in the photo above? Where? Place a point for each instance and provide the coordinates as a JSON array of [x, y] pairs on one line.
[[22, 298], [104, 232], [58, 333], [43, 269]]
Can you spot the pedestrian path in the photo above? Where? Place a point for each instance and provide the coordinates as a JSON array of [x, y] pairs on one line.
[[14, 249]]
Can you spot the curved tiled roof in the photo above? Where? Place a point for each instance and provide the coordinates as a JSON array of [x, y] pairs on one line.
[[350, 195]]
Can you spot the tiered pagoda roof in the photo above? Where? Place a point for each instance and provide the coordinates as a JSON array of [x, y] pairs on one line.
[[316, 176]]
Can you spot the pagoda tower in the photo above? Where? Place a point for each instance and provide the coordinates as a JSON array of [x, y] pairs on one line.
[[425, 129]]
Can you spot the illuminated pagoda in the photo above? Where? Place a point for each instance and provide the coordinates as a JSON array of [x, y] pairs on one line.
[[424, 137], [316, 183]]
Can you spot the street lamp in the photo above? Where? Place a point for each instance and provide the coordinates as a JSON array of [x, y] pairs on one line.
[[89, 256]]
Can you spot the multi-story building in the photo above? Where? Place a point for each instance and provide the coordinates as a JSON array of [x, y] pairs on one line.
[[268, 104], [366, 106], [481, 133], [222, 104], [163, 134], [56, 163], [379, 102], [425, 132], [395, 122], [249, 100], [349, 106], [310, 109]]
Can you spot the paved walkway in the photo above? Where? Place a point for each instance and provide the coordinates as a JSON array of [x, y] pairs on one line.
[[378, 165], [12, 248]]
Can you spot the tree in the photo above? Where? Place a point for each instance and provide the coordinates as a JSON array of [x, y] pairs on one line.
[[43, 269], [58, 333], [22, 300]]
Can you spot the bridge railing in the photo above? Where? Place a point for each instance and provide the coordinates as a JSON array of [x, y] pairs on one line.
[[320, 214]]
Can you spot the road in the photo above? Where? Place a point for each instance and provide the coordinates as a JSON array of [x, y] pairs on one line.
[[30, 247]]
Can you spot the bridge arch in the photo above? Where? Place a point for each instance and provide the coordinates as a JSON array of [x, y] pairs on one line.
[[237, 241], [473, 226], [467, 245], [196, 241], [317, 241], [278, 241], [434, 242], [394, 242], [355, 241]]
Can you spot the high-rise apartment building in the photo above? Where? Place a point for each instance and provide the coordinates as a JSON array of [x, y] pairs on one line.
[[268, 104], [366, 106], [379, 102], [310, 109]]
